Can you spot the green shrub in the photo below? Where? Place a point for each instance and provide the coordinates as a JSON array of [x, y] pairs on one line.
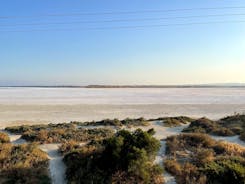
[[225, 171], [126, 155]]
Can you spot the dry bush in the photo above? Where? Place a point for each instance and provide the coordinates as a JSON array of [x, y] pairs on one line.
[[203, 156], [4, 138], [23, 164], [231, 149], [68, 146], [173, 167]]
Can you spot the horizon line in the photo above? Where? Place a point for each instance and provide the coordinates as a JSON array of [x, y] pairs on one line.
[[229, 85]]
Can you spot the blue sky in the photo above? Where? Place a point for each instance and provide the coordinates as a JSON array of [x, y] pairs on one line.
[[76, 54]]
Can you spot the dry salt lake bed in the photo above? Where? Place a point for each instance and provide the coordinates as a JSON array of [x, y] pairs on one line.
[[35, 105], [56, 105]]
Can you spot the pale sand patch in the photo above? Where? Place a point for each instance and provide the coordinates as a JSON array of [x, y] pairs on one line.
[[56, 165]]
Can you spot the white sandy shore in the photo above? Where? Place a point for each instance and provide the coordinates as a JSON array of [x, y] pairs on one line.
[[34, 114]]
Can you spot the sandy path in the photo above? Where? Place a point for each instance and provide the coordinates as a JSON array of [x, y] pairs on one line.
[[56, 164]]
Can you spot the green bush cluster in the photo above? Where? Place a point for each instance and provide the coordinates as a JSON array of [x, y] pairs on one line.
[[225, 170], [124, 158]]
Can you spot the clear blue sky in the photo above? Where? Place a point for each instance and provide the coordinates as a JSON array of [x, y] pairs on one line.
[[34, 51]]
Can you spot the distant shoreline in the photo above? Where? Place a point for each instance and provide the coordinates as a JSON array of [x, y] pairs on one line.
[[129, 86]]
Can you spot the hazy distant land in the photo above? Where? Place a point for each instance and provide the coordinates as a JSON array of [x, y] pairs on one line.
[[218, 85]]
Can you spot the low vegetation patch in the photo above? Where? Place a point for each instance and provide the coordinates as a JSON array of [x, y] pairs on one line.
[[115, 122], [64, 135], [228, 126], [23, 164], [235, 123], [197, 158], [124, 158], [204, 125], [27, 128], [174, 121]]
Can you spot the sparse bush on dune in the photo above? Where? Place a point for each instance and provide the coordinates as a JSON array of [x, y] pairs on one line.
[[196, 158], [135, 122], [236, 123], [204, 125], [23, 164], [4, 138], [174, 121], [191, 141]]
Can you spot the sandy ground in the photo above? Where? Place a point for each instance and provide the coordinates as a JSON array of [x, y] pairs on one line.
[[57, 167], [33, 114], [56, 164]]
